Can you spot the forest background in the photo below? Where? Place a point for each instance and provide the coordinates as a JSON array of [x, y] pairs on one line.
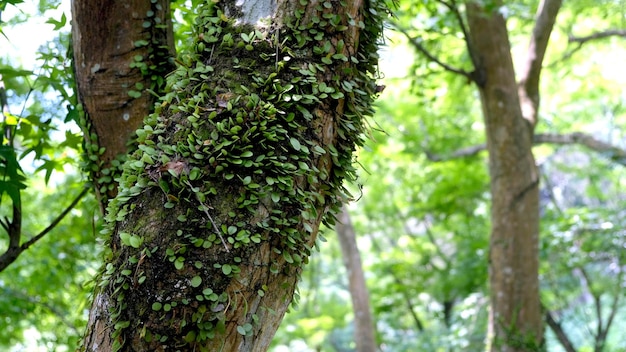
[[422, 216]]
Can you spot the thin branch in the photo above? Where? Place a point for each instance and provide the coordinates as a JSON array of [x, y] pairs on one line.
[[206, 212], [15, 233], [457, 154], [614, 153], [452, 6], [438, 249], [56, 221], [565, 56], [601, 338], [579, 41], [531, 68], [5, 224], [405, 295], [409, 303], [550, 189], [598, 35], [559, 332], [11, 254], [416, 42]]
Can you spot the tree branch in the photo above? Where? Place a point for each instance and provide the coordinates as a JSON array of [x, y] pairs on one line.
[[602, 334], [405, 296], [15, 249], [614, 153], [559, 332], [531, 68], [579, 41], [598, 35], [416, 43], [14, 230], [452, 6], [56, 221], [457, 154]]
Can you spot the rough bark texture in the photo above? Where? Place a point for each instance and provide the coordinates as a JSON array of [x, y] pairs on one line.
[[364, 333], [219, 207], [513, 260], [121, 49]]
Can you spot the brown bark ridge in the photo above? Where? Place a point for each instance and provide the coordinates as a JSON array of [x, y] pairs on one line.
[[513, 261], [121, 49], [364, 332], [219, 207]]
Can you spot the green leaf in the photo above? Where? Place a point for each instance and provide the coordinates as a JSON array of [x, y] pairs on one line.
[[134, 94], [135, 241], [226, 269], [241, 330], [179, 263], [14, 180], [125, 238], [295, 143], [58, 24], [196, 281], [12, 73]]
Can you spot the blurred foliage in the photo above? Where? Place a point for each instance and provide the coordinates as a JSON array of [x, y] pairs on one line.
[[42, 294], [422, 226]]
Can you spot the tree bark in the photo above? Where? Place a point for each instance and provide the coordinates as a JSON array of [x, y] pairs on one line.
[[121, 49], [244, 157], [364, 333], [513, 261]]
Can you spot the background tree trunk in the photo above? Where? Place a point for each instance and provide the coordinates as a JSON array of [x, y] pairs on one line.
[[246, 153], [514, 261], [364, 333]]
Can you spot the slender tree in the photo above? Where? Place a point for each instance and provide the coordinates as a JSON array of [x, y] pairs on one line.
[[244, 156], [364, 326]]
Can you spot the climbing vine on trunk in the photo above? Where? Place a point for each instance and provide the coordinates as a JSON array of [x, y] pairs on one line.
[[243, 158]]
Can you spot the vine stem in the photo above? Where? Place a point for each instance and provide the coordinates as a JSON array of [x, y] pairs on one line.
[[205, 208]]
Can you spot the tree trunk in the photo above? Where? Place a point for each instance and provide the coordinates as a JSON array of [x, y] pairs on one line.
[[244, 157], [121, 49], [513, 261], [364, 333]]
